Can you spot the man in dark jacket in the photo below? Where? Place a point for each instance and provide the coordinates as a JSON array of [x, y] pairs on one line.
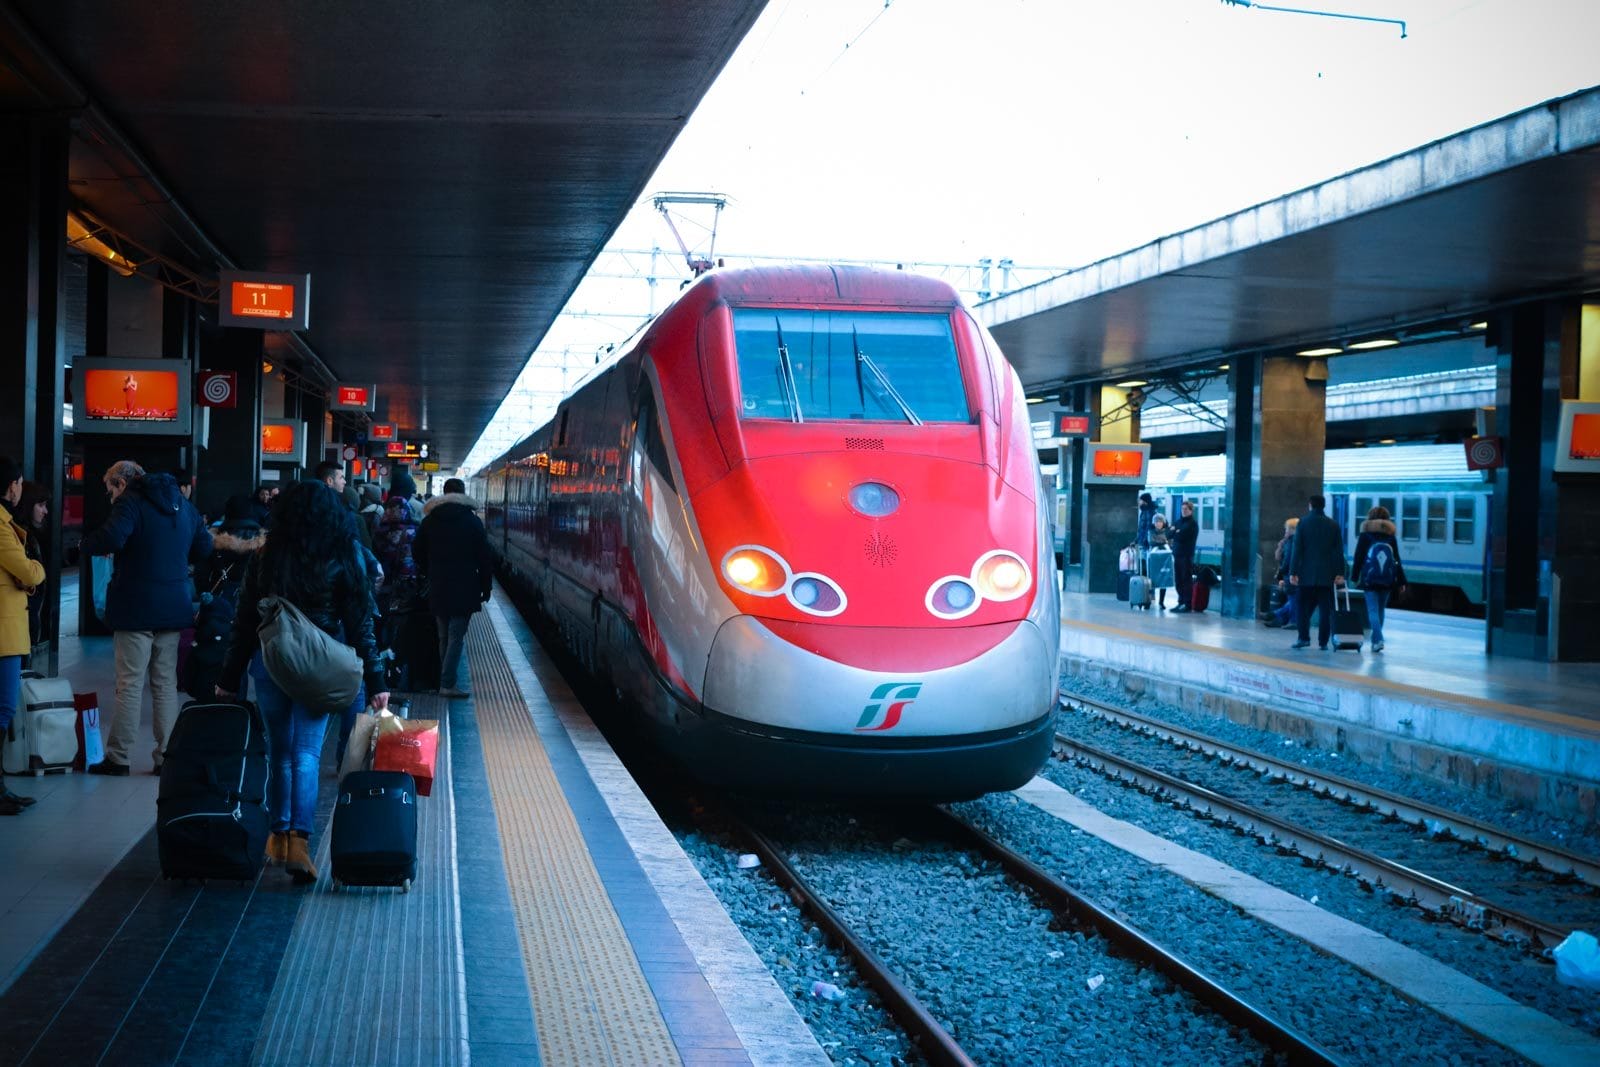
[[452, 551], [155, 534], [1185, 535], [1316, 566]]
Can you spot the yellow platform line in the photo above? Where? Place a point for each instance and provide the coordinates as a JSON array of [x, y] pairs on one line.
[[1583, 727], [591, 1002]]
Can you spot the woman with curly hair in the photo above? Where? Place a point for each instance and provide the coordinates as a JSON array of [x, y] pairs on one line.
[[311, 560]]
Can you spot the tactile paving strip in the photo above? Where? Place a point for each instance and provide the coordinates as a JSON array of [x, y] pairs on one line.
[[591, 1002], [375, 976]]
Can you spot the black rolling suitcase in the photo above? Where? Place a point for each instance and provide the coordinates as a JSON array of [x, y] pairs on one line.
[[1349, 623], [211, 815], [374, 840]]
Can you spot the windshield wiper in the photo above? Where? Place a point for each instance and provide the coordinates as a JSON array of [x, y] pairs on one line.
[[791, 388], [864, 360]]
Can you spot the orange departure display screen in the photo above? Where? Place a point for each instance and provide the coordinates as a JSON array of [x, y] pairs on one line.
[[352, 395], [381, 431], [262, 300], [1119, 463], [132, 395], [1585, 442], [278, 441]]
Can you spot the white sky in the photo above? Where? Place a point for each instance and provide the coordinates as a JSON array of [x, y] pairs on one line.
[[1051, 132]]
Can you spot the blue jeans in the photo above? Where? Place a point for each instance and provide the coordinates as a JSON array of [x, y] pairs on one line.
[[1290, 609], [10, 688], [294, 737], [1377, 600]]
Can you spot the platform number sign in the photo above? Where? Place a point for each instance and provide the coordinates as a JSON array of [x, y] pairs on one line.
[[219, 389]]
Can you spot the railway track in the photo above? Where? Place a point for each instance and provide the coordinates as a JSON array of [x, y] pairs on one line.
[[1068, 907], [1363, 831]]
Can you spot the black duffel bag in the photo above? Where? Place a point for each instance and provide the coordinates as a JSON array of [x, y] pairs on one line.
[[211, 815]]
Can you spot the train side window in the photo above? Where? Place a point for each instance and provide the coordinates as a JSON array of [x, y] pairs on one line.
[[1389, 504], [1411, 518], [1363, 505], [1465, 523], [649, 428], [1438, 517]]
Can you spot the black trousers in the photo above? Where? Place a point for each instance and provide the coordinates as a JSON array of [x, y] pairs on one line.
[[1320, 599], [1183, 574]]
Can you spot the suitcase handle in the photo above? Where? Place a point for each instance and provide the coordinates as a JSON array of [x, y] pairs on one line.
[[1345, 588]]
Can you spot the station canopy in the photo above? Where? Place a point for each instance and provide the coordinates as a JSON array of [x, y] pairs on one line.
[[446, 173], [1500, 213]]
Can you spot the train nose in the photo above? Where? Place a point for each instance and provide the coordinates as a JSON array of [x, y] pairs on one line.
[[757, 675]]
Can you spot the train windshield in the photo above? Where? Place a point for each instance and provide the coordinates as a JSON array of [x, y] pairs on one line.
[[873, 366]]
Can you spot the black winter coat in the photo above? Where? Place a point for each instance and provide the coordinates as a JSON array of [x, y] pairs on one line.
[[452, 551], [155, 534], [344, 612], [1185, 534], [1318, 550]]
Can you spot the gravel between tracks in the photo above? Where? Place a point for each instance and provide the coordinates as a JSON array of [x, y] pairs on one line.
[[1573, 836], [1357, 1018]]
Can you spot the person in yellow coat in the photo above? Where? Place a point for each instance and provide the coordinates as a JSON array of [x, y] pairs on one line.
[[19, 576]]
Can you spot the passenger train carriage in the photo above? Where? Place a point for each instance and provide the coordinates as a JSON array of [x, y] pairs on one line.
[[798, 527]]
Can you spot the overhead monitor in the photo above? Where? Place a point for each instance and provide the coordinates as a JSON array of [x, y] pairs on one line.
[[1072, 424], [1578, 445], [260, 301], [1112, 464], [283, 441], [383, 431], [131, 396]]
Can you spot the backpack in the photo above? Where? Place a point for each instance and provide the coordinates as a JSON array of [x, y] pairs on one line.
[[1378, 571], [318, 672]]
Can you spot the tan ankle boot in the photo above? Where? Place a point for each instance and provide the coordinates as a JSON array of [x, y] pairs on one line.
[[298, 862], [277, 847]]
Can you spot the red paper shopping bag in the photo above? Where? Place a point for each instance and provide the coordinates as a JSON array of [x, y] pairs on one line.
[[413, 749]]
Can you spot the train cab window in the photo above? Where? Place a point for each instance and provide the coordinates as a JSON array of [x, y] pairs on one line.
[[1438, 517], [1411, 518], [877, 366], [1465, 520]]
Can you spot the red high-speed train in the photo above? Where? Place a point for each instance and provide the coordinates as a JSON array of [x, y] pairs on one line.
[[798, 527]]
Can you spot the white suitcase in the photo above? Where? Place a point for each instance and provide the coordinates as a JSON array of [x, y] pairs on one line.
[[44, 732]]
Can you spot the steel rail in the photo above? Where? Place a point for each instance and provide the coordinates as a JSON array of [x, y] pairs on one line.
[[1552, 858], [1450, 902], [1068, 902], [930, 1037]]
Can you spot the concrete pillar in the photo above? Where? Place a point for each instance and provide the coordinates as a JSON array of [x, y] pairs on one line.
[[1544, 538], [33, 209], [1276, 436]]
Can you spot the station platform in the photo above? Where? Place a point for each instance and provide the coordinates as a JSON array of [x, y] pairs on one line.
[[1432, 701], [554, 919]]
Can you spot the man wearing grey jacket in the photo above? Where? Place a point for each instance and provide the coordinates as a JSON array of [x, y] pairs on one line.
[[1315, 568]]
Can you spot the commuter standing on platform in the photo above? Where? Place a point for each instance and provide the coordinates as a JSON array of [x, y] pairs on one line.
[[1161, 578], [1185, 535], [155, 534], [1315, 567], [310, 560], [19, 576], [1147, 518], [1376, 565], [403, 486], [261, 508], [452, 551]]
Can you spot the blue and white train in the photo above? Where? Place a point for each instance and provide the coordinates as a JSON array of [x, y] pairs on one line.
[[1440, 509]]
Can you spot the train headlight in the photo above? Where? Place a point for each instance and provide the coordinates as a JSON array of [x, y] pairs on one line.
[[1001, 575], [816, 594], [874, 499], [756, 570], [952, 598]]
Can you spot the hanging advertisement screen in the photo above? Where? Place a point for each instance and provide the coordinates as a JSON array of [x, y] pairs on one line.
[[131, 396], [283, 441], [1107, 464], [1578, 445]]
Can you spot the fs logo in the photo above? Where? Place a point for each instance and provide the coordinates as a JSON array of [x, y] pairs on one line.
[[889, 701]]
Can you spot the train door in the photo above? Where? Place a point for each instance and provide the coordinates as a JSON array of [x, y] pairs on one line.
[[1339, 508]]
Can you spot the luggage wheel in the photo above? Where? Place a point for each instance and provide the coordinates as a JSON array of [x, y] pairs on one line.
[[405, 886]]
